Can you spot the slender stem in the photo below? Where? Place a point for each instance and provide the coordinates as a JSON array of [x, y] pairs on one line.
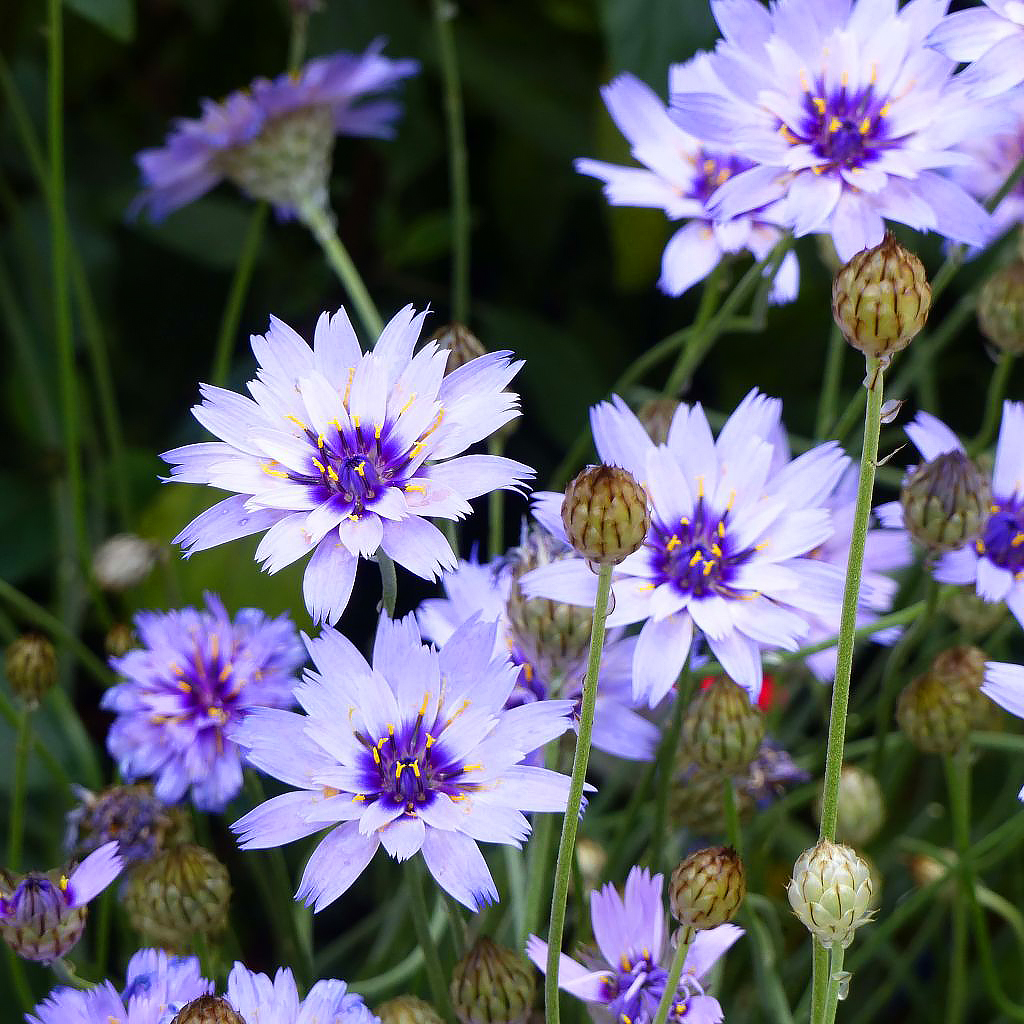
[[388, 583], [835, 983], [956, 985], [236, 295], [698, 345], [17, 822], [60, 776], [418, 906], [496, 506], [321, 223], [831, 380], [819, 981], [665, 766], [457, 160], [570, 823], [733, 831], [668, 997], [993, 404], [297, 40], [66, 971]]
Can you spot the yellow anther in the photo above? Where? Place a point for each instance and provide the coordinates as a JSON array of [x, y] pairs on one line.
[[721, 529], [819, 104], [348, 386], [376, 756], [979, 546], [63, 883], [673, 542], [398, 771], [834, 125], [391, 730], [415, 766], [873, 80], [698, 556], [336, 425], [865, 126], [528, 671], [359, 468], [684, 521], [472, 767], [844, 79], [319, 440], [626, 965], [330, 791], [700, 487], [359, 799], [412, 398], [430, 741], [225, 672], [884, 112], [184, 687], [214, 646], [355, 422], [319, 465], [332, 474], [762, 545], [295, 420], [415, 487], [716, 551], [274, 472], [418, 447], [376, 432], [434, 425], [993, 509], [423, 706], [804, 84], [723, 176], [645, 586], [1017, 541], [708, 567], [818, 169]]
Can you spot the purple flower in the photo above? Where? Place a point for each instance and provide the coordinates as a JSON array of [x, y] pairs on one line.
[[341, 452], [993, 38], [628, 978], [201, 152], [846, 113], [729, 548], [258, 999], [418, 753], [483, 591], [197, 673], [994, 562], [1004, 684], [680, 176]]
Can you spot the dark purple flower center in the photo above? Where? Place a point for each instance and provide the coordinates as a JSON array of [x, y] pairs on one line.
[[1002, 543], [713, 170], [209, 686], [635, 988]]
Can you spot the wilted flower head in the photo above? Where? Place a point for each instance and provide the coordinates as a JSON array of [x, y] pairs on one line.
[[42, 916], [993, 38], [419, 753], [846, 114], [628, 976], [679, 176], [195, 674], [341, 452], [273, 139]]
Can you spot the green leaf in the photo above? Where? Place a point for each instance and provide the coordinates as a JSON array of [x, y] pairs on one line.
[[116, 17]]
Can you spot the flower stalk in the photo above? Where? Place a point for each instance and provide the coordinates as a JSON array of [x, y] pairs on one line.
[[686, 937]]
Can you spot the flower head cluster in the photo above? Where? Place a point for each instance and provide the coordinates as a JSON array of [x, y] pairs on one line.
[[680, 175], [273, 139], [733, 528], [483, 590], [196, 673], [340, 452], [846, 113], [994, 563], [628, 976], [418, 753]]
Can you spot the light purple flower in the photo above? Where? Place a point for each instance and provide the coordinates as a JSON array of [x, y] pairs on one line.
[[193, 159], [341, 452], [847, 114], [729, 548], [418, 753], [259, 1000], [196, 673], [1004, 683], [628, 979], [157, 984], [483, 590], [995, 562], [679, 177], [993, 38]]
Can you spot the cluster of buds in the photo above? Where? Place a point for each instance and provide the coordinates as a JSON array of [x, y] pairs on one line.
[[208, 1010], [831, 891], [707, 888], [605, 514], [722, 731], [30, 664], [492, 985], [946, 502], [1001, 309], [861, 810]]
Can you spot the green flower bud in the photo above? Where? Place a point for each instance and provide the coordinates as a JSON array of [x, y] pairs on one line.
[[707, 888], [492, 985], [722, 730], [408, 1010], [935, 717], [30, 663], [462, 344], [208, 1010], [605, 514], [656, 417], [881, 298], [695, 800], [946, 502], [120, 639], [179, 894], [1001, 309], [861, 806], [831, 892], [972, 613]]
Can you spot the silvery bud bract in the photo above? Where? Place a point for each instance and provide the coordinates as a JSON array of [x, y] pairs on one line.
[[946, 501], [123, 561], [831, 892], [707, 888], [605, 514], [722, 730], [1001, 309], [492, 985], [407, 1010], [208, 1010], [861, 811], [656, 417], [462, 344]]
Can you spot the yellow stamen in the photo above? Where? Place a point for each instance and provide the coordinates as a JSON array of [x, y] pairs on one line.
[[415, 487], [348, 386], [884, 112], [412, 398], [834, 125], [319, 440], [1017, 541], [819, 104], [184, 687], [274, 472], [359, 799], [225, 672], [319, 465], [332, 474], [376, 432], [673, 542], [708, 567], [415, 766], [697, 557], [721, 529], [844, 79], [295, 420], [645, 586], [329, 791], [865, 126]]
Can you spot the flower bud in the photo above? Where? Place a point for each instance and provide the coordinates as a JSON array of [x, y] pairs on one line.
[[881, 298], [39, 924], [946, 502], [707, 888], [30, 663], [208, 1010], [123, 561], [935, 717], [462, 344], [179, 894], [972, 613], [722, 730], [120, 639], [591, 860], [861, 810], [605, 514], [407, 1010], [656, 417], [831, 892], [492, 985], [962, 670], [1001, 309]]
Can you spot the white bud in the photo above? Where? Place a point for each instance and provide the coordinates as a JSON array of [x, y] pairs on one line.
[[830, 892], [123, 561]]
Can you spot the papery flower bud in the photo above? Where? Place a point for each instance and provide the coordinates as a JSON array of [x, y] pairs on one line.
[[591, 860], [861, 810], [656, 416], [208, 1010], [722, 730], [881, 298], [30, 664], [971, 612], [179, 894], [962, 669], [946, 502], [831, 892], [120, 639], [123, 561], [408, 1010], [926, 870], [462, 344], [605, 514], [707, 888], [1001, 309], [492, 985]]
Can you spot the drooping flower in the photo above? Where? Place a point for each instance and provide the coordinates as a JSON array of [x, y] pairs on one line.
[[847, 114], [995, 562], [341, 452], [1004, 683], [679, 176], [418, 753], [993, 38], [196, 673], [730, 544], [260, 1000], [273, 139], [627, 978], [483, 590], [42, 915]]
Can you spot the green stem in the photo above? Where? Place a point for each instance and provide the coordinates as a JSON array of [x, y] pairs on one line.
[[819, 981], [698, 345], [56, 769], [16, 969], [835, 984], [668, 997], [17, 822], [733, 831], [570, 823], [418, 906], [236, 295], [388, 583], [297, 39], [65, 970], [765, 961], [665, 766], [831, 380], [321, 223], [496, 505], [457, 160], [956, 987], [993, 404]]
